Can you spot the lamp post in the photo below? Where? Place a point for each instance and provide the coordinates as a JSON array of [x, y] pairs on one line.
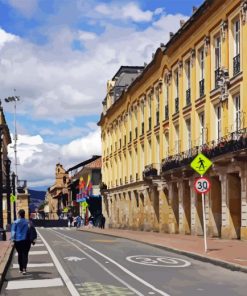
[[8, 190], [15, 176], [1, 181]]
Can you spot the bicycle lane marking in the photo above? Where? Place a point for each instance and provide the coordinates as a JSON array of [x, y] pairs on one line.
[[150, 286], [60, 235], [73, 291]]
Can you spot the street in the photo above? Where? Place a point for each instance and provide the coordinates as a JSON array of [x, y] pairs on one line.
[[69, 262]]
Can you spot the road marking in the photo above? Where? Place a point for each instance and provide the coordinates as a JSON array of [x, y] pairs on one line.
[[30, 265], [101, 265], [38, 245], [73, 258], [60, 269], [114, 262], [36, 253], [160, 261], [30, 284]]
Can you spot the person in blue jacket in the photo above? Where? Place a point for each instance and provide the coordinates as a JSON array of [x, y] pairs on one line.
[[19, 235]]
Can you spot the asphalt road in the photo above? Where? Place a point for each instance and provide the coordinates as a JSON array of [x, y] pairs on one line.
[[70, 262]]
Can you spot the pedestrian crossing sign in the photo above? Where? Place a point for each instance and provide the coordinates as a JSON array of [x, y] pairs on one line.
[[13, 198], [201, 164]]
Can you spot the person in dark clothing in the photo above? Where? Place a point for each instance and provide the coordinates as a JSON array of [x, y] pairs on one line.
[[19, 233], [102, 222]]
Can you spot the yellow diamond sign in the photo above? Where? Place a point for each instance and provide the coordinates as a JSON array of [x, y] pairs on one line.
[[201, 164]]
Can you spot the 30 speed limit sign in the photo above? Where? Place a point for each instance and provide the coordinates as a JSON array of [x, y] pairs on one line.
[[202, 185]]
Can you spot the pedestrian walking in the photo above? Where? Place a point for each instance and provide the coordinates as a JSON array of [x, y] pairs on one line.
[[78, 221], [102, 222], [23, 234]]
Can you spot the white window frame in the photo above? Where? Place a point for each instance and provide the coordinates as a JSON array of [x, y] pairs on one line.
[[202, 63], [237, 112], [202, 127], [217, 52], [236, 34], [218, 115], [188, 129]]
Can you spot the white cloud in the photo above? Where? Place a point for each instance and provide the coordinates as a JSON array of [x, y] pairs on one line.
[[58, 84], [26, 7], [85, 36], [130, 11], [37, 159], [6, 37]]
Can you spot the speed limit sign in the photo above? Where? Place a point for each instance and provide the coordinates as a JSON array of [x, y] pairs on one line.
[[202, 185]]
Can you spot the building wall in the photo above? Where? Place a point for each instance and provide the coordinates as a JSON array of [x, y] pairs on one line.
[[167, 202]]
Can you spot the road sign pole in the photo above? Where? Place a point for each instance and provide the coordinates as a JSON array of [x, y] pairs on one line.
[[204, 222]]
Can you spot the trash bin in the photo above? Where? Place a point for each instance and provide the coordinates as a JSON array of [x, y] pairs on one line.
[[2, 234]]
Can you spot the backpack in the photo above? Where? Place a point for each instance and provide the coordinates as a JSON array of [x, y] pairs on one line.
[[31, 234]]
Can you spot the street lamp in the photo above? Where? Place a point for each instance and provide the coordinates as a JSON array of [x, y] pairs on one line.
[[9, 100]]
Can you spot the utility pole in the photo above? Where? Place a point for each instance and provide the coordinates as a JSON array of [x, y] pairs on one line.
[[1, 180], [13, 191], [8, 190]]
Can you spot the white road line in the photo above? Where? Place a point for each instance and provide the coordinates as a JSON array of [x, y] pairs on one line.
[[38, 245], [30, 265], [102, 266], [36, 253], [30, 284], [114, 262], [60, 269]]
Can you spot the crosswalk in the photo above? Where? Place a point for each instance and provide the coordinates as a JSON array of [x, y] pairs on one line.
[[40, 262]]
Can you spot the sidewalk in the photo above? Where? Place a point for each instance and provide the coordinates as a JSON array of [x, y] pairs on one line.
[[5, 254], [231, 254]]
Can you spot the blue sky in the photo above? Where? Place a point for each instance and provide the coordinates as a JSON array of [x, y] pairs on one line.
[[58, 55]]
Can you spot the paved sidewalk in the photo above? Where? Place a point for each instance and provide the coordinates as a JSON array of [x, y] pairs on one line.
[[5, 253], [231, 254]]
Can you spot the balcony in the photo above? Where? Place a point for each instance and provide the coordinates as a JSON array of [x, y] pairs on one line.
[[166, 112], [233, 142], [236, 64], [136, 133], [176, 105], [216, 77], [102, 186], [142, 128], [201, 88], [151, 171], [149, 123], [188, 97], [157, 117]]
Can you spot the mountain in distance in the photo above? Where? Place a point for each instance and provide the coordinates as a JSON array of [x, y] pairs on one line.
[[36, 198]]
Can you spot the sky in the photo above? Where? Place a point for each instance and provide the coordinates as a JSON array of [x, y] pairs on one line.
[[57, 55]]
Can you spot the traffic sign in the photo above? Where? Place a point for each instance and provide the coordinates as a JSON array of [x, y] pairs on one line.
[[13, 198], [202, 185], [201, 164]]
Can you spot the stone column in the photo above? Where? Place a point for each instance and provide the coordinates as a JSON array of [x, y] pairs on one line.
[[243, 175], [225, 205]]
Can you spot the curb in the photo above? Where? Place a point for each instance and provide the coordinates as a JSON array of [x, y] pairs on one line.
[[217, 262], [5, 264]]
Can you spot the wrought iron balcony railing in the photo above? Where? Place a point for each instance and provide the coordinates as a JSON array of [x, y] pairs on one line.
[[201, 88], [188, 97], [236, 64], [151, 171], [166, 112], [216, 77], [176, 105], [233, 142]]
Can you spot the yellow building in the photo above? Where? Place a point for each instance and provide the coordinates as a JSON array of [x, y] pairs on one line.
[[189, 98]]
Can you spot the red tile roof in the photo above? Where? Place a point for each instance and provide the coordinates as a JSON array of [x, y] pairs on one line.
[[95, 164]]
